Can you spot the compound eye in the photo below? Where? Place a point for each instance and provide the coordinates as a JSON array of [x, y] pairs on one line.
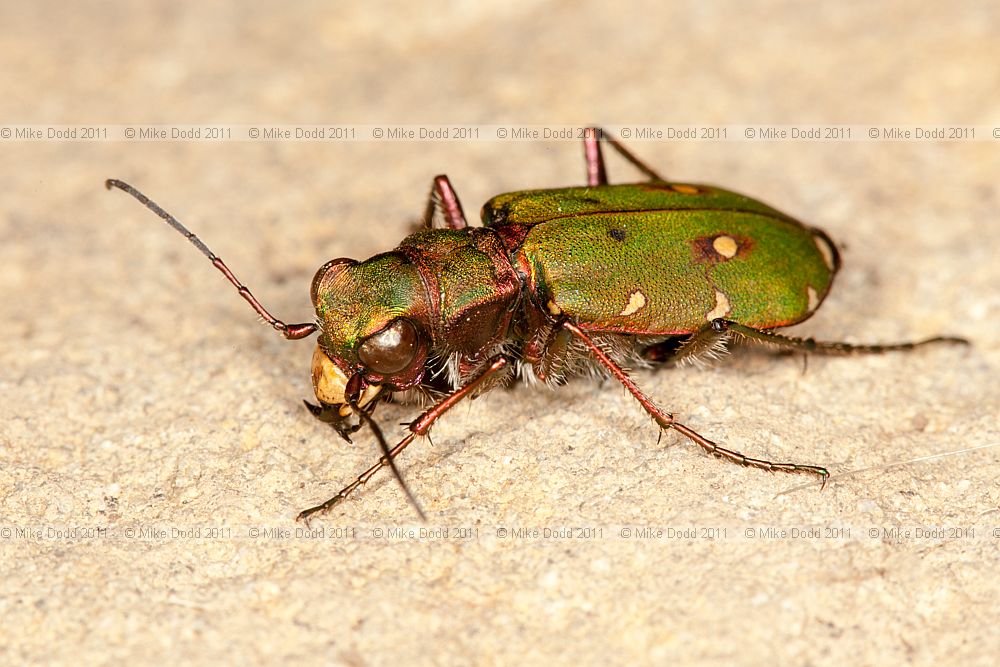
[[390, 350], [322, 276]]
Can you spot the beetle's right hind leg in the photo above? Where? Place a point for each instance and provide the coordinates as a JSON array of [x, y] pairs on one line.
[[596, 172], [666, 420]]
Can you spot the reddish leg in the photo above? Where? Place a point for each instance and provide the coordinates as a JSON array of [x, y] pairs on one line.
[[419, 426], [666, 420], [443, 197], [821, 347], [596, 173]]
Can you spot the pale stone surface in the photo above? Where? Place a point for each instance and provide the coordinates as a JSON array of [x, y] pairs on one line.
[[137, 393]]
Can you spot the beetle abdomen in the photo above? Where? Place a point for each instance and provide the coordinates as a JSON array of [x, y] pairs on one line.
[[673, 271]]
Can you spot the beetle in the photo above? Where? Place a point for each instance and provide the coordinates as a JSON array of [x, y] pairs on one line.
[[553, 283]]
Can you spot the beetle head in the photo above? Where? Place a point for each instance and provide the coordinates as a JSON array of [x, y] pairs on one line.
[[372, 318]]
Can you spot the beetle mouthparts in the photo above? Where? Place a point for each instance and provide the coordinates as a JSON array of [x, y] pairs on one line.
[[330, 383]]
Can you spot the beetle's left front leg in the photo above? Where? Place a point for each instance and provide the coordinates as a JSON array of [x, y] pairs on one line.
[[666, 420], [419, 426]]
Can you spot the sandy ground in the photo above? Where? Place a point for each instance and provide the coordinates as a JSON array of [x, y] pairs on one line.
[[153, 446]]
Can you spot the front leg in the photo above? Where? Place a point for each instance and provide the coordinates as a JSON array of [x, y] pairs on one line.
[[419, 426]]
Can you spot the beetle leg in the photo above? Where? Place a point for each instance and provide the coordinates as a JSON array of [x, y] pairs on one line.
[[704, 344], [664, 351], [666, 420], [596, 174], [419, 426], [810, 345], [443, 198]]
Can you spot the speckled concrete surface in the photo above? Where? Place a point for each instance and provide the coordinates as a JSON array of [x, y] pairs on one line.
[[139, 403]]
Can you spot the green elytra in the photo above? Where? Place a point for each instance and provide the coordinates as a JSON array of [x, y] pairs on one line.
[[666, 258], [556, 280]]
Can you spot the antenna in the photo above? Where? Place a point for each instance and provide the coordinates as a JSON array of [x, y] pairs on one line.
[[289, 331]]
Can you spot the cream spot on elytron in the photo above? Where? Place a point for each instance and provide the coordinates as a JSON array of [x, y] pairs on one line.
[[725, 246], [553, 308], [721, 309], [825, 250], [636, 302], [684, 189], [813, 298]]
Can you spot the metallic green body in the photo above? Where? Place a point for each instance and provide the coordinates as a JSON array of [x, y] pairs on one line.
[[652, 259], [642, 258], [531, 207]]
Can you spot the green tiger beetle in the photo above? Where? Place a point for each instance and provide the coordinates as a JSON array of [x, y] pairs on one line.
[[555, 282]]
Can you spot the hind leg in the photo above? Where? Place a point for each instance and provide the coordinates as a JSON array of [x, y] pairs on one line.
[[596, 172], [810, 345]]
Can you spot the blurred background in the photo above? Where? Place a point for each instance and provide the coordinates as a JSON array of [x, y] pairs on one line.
[[137, 392]]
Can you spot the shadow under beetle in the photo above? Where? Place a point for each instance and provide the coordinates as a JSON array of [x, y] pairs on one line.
[[555, 282]]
